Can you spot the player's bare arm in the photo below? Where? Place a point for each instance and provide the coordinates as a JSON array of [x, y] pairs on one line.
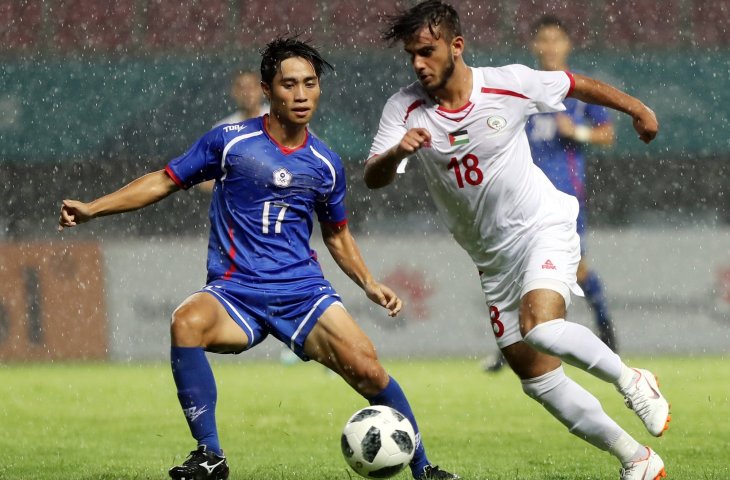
[[137, 194], [590, 90], [346, 253], [380, 169]]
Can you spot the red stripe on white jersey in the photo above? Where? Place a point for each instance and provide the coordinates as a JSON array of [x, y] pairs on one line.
[[501, 91], [412, 107], [572, 83]]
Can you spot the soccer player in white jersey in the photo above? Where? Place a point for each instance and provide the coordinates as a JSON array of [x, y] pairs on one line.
[[464, 128], [271, 177]]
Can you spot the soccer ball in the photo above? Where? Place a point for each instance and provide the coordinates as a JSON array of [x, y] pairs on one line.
[[378, 442]]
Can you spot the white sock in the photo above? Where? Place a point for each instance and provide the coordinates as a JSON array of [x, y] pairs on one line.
[[627, 450], [627, 377], [578, 346], [581, 412]]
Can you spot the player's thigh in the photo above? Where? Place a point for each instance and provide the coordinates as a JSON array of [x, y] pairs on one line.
[[527, 362], [582, 271], [337, 342], [201, 320]]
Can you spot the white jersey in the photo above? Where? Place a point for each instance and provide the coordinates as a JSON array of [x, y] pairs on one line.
[[238, 116], [478, 166]]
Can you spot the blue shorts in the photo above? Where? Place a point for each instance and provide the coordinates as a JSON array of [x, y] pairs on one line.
[[288, 312]]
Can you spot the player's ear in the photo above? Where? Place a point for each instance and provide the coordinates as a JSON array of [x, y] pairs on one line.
[[457, 46], [267, 90]]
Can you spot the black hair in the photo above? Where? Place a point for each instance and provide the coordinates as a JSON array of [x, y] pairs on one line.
[[282, 48], [404, 24], [548, 21]]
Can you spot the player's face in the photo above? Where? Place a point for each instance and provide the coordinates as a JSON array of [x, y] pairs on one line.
[[551, 46], [294, 92], [432, 58], [246, 92]]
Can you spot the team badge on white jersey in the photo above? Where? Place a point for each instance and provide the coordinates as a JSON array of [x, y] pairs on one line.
[[495, 122], [282, 177]]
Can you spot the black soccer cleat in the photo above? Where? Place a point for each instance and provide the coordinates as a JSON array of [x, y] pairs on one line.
[[607, 336], [494, 363], [433, 472], [201, 465]]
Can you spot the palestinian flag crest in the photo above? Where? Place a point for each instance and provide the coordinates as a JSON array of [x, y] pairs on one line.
[[460, 137]]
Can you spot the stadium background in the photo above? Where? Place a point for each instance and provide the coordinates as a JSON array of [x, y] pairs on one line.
[[95, 93]]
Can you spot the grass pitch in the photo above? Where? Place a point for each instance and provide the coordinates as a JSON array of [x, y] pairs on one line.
[[110, 421]]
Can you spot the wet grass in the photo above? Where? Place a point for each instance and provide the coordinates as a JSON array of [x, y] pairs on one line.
[[107, 421]]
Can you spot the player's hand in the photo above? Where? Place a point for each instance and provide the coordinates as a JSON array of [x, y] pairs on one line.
[[385, 297], [646, 124], [413, 140], [73, 213]]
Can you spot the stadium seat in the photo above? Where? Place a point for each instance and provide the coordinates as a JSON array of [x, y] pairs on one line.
[[94, 24], [710, 21], [356, 23], [187, 24], [20, 24], [640, 24], [259, 22], [481, 24]]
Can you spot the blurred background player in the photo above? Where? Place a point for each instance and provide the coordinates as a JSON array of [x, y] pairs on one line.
[[557, 143], [249, 98], [250, 102]]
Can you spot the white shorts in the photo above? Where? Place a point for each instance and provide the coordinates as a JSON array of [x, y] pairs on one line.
[[550, 261]]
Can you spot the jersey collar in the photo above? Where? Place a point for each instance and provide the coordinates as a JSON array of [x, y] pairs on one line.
[[284, 149]]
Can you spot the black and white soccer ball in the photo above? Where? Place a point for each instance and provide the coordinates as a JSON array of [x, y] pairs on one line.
[[378, 442]]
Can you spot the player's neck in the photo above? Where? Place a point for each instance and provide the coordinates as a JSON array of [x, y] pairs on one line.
[[554, 68], [457, 91], [251, 113], [287, 135]]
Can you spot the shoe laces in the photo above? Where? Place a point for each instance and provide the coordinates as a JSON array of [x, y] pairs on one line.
[[195, 457], [636, 400], [626, 470]]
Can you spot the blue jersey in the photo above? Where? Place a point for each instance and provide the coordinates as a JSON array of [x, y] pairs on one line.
[[561, 159], [263, 202]]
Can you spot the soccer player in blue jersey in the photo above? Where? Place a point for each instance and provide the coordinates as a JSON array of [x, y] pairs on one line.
[[557, 142], [271, 177]]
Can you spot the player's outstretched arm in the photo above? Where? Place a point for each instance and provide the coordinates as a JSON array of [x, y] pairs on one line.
[[137, 194], [590, 90], [346, 253], [380, 169]]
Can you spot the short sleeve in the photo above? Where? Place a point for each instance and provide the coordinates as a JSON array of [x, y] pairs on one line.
[[598, 115], [200, 163], [546, 90], [392, 127], [332, 208]]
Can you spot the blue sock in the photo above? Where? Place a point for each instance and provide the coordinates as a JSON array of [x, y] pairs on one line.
[[593, 288], [197, 393], [392, 396]]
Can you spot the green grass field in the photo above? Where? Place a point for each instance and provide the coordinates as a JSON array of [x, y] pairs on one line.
[[107, 421]]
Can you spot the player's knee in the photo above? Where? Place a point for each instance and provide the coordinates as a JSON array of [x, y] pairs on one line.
[[367, 373], [186, 321], [536, 387], [544, 337]]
